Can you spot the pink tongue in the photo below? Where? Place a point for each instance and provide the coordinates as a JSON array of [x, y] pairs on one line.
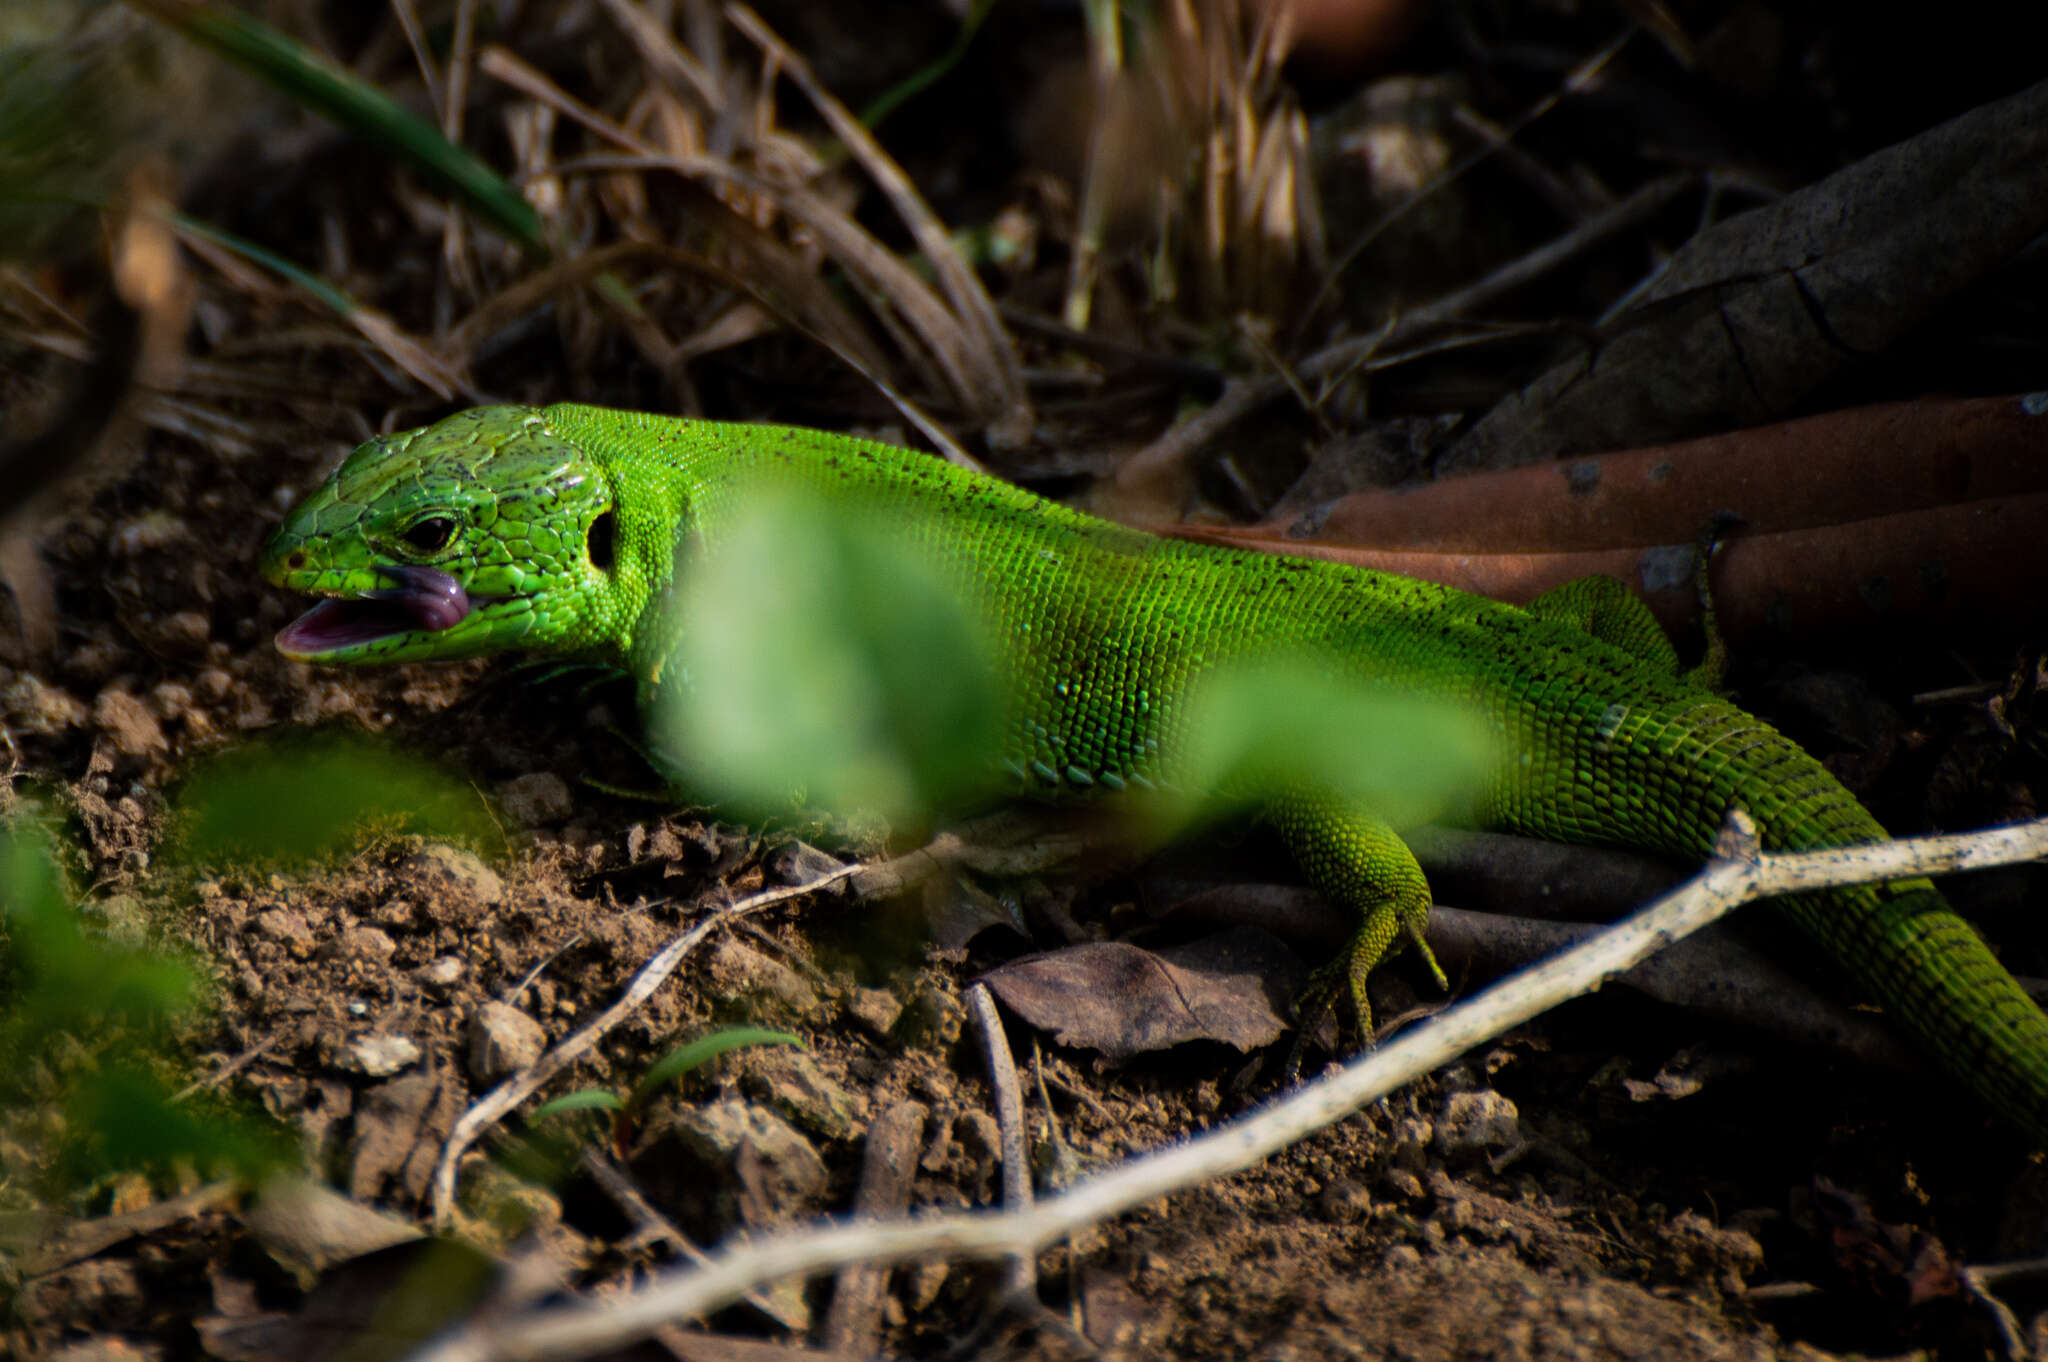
[[430, 596], [421, 599]]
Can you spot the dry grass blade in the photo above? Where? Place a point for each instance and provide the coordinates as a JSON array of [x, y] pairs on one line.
[[1198, 137], [839, 334], [986, 348], [411, 355], [1579, 77], [516, 300], [882, 276], [423, 57], [1242, 397], [456, 251], [671, 63]]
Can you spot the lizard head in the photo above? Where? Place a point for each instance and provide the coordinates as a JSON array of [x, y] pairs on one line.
[[482, 532]]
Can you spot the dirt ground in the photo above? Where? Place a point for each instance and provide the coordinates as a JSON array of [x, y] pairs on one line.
[[1614, 1180]]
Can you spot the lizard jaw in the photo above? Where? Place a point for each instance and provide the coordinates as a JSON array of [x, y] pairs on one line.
[[420, 600]]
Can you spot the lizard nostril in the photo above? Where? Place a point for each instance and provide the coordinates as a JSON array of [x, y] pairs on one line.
[[297, 560]]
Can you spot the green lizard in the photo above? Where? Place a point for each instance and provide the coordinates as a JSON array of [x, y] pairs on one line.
[[563, 531]]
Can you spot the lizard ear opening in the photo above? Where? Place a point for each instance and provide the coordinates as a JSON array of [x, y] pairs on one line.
[[599, 544]]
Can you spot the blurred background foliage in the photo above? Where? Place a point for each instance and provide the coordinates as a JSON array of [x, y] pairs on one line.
[[825, 659], [93, 1022], [304, 797]]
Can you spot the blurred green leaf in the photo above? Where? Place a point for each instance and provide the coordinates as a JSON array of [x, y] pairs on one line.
[[1260, 728], [58, 975], [822, 660], [84, 1024], [700, 1051], [308, 796], [75, 109], [126, 1119]]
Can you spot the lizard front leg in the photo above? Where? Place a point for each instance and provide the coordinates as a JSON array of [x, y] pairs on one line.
[[1604, 607]]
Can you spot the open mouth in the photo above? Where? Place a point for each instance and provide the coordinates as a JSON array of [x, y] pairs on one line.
[[419, 600]]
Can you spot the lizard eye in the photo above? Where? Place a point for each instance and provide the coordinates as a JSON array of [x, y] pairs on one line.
[[430, 535]]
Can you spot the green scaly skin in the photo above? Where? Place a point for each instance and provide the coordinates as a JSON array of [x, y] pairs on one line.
[[564, 529]]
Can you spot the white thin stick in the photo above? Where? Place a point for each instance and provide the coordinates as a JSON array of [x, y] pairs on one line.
[[492, 1106], [581, 1330], [2009, 1332], [1021, 1272]]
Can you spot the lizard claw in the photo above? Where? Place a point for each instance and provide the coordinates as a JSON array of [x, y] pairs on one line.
[[1335, 999], [1415, 928], [1333, 1002]]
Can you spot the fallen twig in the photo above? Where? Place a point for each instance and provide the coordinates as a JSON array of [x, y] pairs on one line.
[[2009, 1332], [63, 1243], [853, 1323], [493, 1105], [1021, 1272], [651, 1226]]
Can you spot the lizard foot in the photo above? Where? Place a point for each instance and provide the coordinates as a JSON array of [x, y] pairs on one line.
[[1336, 998]]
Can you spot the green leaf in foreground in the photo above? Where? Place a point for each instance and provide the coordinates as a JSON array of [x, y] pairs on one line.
[[87, 1026], [126, 1118], [823, 660], [1260, 728], [74, 116], [314, 795], [583, 1099], [54, 975]]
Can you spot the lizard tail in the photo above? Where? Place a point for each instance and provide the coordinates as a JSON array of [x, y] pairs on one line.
[[1901, 941], [1940, 984]]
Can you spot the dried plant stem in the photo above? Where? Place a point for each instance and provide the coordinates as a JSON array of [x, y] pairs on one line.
[[986, 349], [1021, 1271]]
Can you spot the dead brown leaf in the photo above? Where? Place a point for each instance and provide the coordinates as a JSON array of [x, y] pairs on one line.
[[1123, 1000]]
